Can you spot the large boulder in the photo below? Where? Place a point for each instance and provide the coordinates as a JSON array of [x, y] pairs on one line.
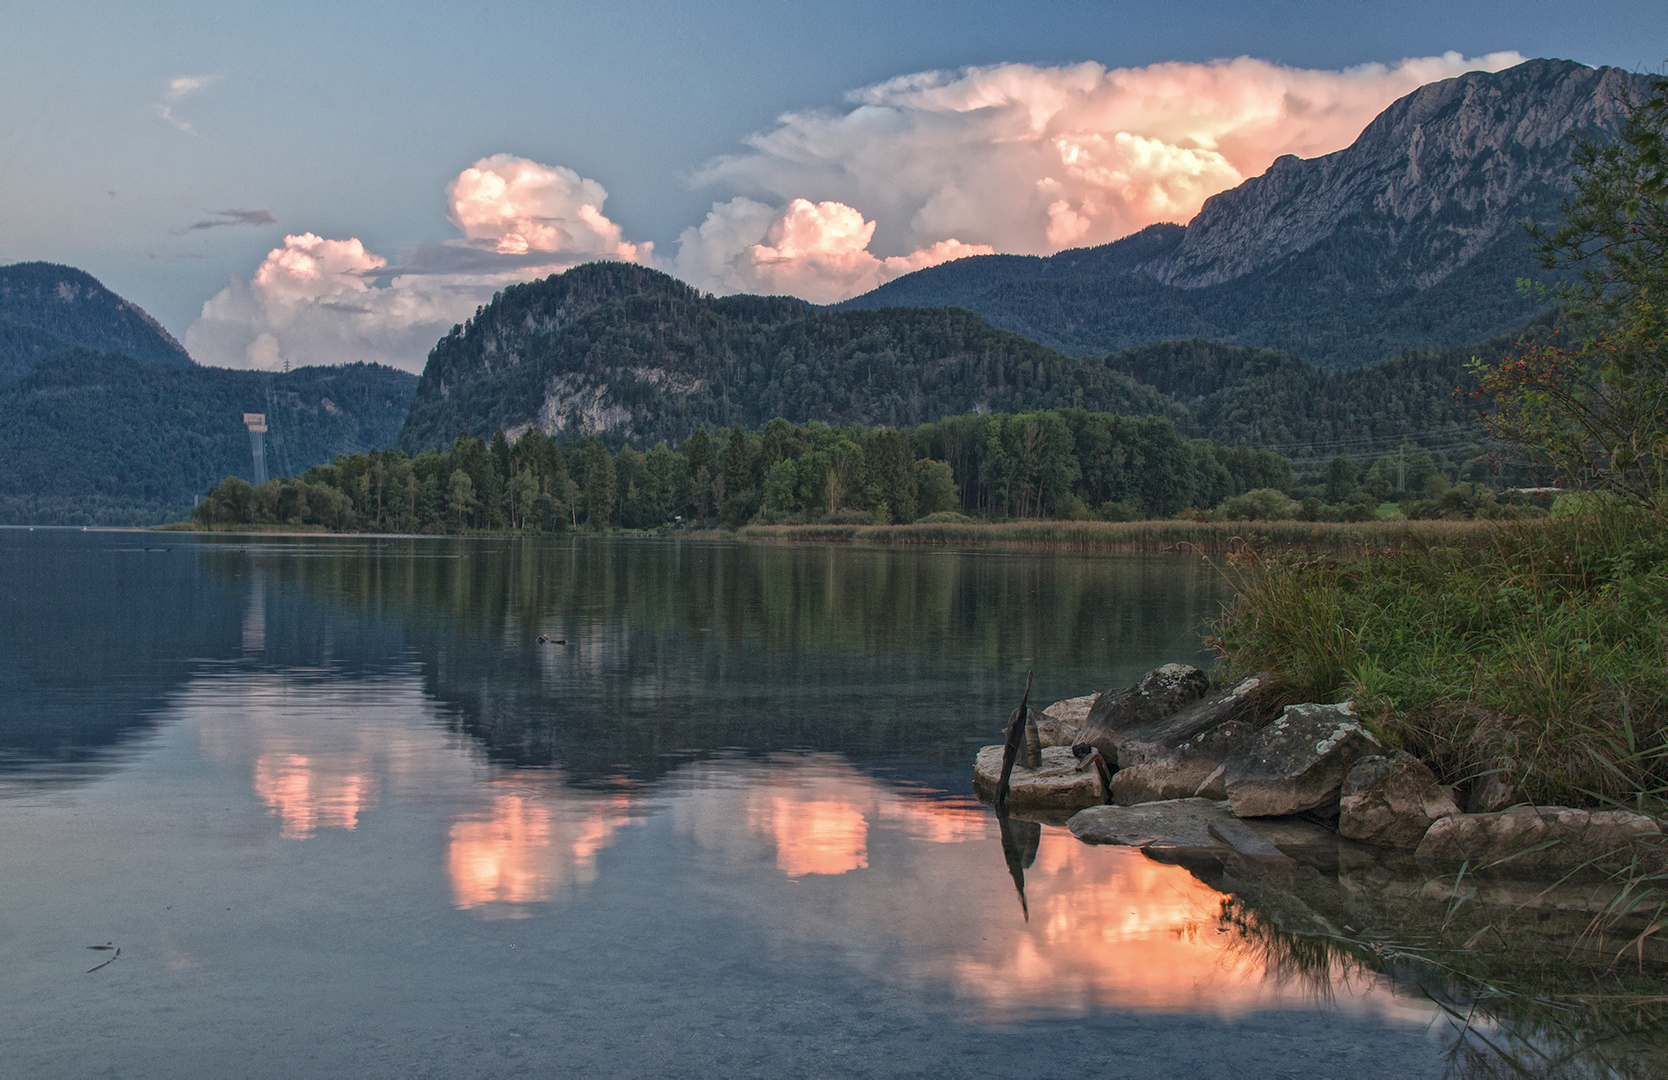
[[1175, 825], [1298, 762], [1240, 702], [1159, 693], [1062, 782], [1391, 801], [1156, 772], [1546, 840], [1059, 724]]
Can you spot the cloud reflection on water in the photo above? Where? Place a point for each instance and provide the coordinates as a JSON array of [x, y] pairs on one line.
[[908, 885]]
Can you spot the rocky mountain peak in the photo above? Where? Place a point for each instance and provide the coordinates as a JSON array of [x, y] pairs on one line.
[[1433, 180]]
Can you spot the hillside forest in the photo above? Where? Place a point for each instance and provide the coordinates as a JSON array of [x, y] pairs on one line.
[[1060, 463]]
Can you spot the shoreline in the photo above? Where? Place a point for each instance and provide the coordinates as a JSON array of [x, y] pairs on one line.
[[1166, 536]]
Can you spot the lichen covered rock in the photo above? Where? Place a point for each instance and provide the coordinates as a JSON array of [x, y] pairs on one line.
[[1298, 762]]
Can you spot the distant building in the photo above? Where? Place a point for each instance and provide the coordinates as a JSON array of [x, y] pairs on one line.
[[256, 423]]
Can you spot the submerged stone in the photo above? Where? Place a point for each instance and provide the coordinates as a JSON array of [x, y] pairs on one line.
[[1175, 824], [1298, 762], [1058, 783], [1391, 801], [1547, 840]]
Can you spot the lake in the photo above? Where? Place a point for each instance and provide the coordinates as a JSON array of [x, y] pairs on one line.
[[342, 813]]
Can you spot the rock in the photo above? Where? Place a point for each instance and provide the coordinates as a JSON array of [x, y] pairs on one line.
[[1215, 785], [1160, 693], [1546, 840], [1176, 773], [1060, 722], [1243, 839], [1391, 801], [1176, 824], [1058, 783], [1239, 702], [1495, 748], [1298, 762]]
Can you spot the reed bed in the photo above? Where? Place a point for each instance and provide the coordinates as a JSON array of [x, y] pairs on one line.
[[1199, 537]]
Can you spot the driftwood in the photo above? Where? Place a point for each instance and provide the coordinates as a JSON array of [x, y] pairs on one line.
[[1020, 728]]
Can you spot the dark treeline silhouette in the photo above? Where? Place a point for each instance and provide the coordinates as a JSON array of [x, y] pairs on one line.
[[1054, 463]]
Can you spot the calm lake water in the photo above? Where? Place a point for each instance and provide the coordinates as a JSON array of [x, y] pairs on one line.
[[344, 815]]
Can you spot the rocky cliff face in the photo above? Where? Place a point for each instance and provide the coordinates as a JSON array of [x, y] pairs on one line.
[[1435, 179], [1409, 238]]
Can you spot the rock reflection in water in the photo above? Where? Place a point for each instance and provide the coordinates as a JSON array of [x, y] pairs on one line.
[[906, 886]]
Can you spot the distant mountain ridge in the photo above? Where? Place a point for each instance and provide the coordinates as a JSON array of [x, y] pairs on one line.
[[46, 308], [103, 439], [1409, 237], [627, 353]]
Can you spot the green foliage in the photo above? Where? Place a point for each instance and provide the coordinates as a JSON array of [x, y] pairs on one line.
[[1614, 232], [101, 439], [1539, 644], [1053, 464], [1598, 412]]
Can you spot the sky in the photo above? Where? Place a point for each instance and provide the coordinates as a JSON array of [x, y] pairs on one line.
[[319, 183]]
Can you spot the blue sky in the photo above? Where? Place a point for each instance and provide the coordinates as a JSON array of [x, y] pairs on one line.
[[350, 120]]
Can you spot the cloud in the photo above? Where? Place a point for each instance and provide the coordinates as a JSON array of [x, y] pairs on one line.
[[826, 205], [179, 88], [233, 217], [312, 302], [517, 206], [323, 301], [1031, 159], [817, 251]]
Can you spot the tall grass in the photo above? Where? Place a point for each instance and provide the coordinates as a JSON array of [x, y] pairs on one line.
[[1213, 538], [1534, 647]]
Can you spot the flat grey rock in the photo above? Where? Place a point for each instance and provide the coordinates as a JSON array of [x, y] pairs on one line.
[[1158, 772], [1169, 825], [1059, 783], [1244, 839]]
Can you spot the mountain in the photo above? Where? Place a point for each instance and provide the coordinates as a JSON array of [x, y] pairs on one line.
[[46, 309], [627, 353], [104, 439], [1408, 238]]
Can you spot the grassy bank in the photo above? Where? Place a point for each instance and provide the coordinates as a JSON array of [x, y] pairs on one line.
[[1209, 538], [1532, 651]]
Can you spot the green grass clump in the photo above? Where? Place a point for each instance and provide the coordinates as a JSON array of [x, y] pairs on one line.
[[1533, 647]]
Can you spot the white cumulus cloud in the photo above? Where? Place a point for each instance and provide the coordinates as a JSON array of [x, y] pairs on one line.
[[1032, 159], [825, 205], [317, 301], [817, 251]]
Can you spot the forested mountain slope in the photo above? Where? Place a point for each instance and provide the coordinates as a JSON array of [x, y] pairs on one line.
[[628, 353], [99, 438], [1408, 238], [46, 309]]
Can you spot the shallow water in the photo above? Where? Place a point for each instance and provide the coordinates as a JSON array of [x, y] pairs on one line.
[[343, 814]]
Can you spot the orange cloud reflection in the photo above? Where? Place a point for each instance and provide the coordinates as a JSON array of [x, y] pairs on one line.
[[308, 794], [524, 846]]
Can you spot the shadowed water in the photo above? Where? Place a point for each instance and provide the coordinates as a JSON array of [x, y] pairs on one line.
[[344, 814]]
